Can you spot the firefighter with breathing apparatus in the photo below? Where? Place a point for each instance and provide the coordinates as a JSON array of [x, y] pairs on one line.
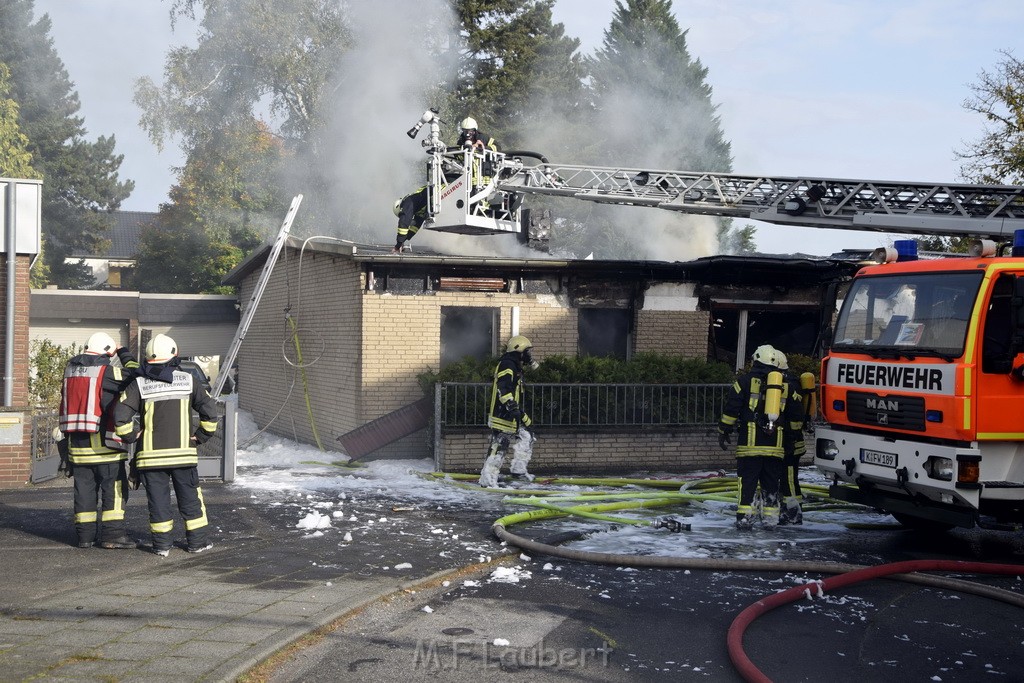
[[162, 398], [95, 455], [509, 424], [760, 408]]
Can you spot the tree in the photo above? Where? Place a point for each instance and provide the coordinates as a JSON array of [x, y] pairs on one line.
[[16, 159], [15, 156], [80, 178], [517, 71], [652, 108], [998, 157]]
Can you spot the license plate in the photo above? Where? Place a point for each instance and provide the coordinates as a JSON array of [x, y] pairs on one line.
[[879, 458]]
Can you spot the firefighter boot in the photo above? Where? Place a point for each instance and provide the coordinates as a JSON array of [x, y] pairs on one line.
[[791, 512], [744, 521], [489, 473]]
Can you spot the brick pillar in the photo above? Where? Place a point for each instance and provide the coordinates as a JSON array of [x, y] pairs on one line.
[[16, 459]]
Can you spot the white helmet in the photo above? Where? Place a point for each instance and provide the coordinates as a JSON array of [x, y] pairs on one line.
[[160, 349], [398, 207], [783, 363], [101, 344], [766, 354], [468, 123]]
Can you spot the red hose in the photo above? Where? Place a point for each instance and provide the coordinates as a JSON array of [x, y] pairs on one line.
[[750, 672]]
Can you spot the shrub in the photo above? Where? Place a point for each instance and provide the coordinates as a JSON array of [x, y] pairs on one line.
[[46, 374]]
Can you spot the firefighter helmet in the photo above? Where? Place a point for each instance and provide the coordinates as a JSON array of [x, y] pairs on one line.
[[468, 123], [101, 344], [767, 355], [519, 343], [783, 362], [398, 207], [160, 349]]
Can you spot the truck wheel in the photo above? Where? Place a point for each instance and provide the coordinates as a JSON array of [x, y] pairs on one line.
[[921, 524]]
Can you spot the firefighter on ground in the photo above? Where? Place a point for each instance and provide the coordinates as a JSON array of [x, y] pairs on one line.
[[162, 398], [412, 212], [95, 456], [509, 424], [794, 448], [760, 408]]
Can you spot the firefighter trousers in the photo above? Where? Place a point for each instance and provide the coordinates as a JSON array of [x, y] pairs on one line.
[[759, 470], [101, 493], [189, 495], [789, 485]]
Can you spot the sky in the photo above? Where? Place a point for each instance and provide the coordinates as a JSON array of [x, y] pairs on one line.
[[867, 89]]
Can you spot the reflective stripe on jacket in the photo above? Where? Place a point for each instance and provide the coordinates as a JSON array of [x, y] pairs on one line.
[[164, 434]]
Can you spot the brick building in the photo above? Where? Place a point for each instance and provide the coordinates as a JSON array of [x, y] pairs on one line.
[[20, 217], [369, 322]]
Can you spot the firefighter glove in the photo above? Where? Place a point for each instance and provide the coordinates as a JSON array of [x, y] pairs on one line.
[[724, 439], [513, 410], [134, 479]]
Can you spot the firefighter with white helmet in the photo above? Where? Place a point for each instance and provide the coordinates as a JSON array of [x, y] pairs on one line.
[[94, 456], [508, 422], [162, 400], [470, 136], [761, 407]]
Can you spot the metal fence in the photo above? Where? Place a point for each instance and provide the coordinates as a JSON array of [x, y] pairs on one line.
[[45, 459], [582, 406]]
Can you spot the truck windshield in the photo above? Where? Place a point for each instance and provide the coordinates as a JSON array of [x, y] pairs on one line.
[[907, 314]]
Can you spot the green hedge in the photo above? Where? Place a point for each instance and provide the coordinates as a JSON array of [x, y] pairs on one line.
[[643, 368]]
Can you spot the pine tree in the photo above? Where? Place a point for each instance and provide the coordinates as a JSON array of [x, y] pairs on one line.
[[80, 178], [517, 70], [652, 109]]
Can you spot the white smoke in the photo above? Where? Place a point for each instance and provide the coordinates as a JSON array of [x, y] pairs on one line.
[[382, 90]]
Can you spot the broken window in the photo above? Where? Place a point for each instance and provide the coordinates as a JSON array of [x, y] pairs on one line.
[[604, 332], [467, 331]]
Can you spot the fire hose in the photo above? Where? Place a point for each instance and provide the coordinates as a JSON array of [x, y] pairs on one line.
[[846, 574]]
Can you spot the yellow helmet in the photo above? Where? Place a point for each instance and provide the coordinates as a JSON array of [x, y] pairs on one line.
[[160, 349], [101, 344], [518, 343], [766, 354], [468, 123]]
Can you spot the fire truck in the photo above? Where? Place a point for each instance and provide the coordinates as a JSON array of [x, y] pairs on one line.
[[922, 385]]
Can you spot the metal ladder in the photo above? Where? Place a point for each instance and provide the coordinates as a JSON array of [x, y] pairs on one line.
[[249, 310]]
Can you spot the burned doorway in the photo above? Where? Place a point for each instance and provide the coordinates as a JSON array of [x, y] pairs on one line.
[[467, 332]]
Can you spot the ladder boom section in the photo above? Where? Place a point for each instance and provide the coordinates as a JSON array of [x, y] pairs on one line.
[[886, 206]]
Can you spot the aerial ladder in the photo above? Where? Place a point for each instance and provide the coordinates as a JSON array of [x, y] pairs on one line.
[[480, 193]]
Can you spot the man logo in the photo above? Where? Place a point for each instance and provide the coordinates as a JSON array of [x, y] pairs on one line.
[[882, 404], [883, 419]]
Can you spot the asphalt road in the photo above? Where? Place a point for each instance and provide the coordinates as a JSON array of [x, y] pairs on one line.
[[547, 619]]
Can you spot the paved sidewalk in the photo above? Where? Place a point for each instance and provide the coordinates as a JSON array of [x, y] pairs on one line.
[[127, 615]]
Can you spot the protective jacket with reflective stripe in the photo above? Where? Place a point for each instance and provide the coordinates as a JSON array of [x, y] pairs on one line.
[[163, 400], [89, 392], [508, 385], [744, 411]]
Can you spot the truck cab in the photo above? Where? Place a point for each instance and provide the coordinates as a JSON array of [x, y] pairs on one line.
[[922, 392]]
